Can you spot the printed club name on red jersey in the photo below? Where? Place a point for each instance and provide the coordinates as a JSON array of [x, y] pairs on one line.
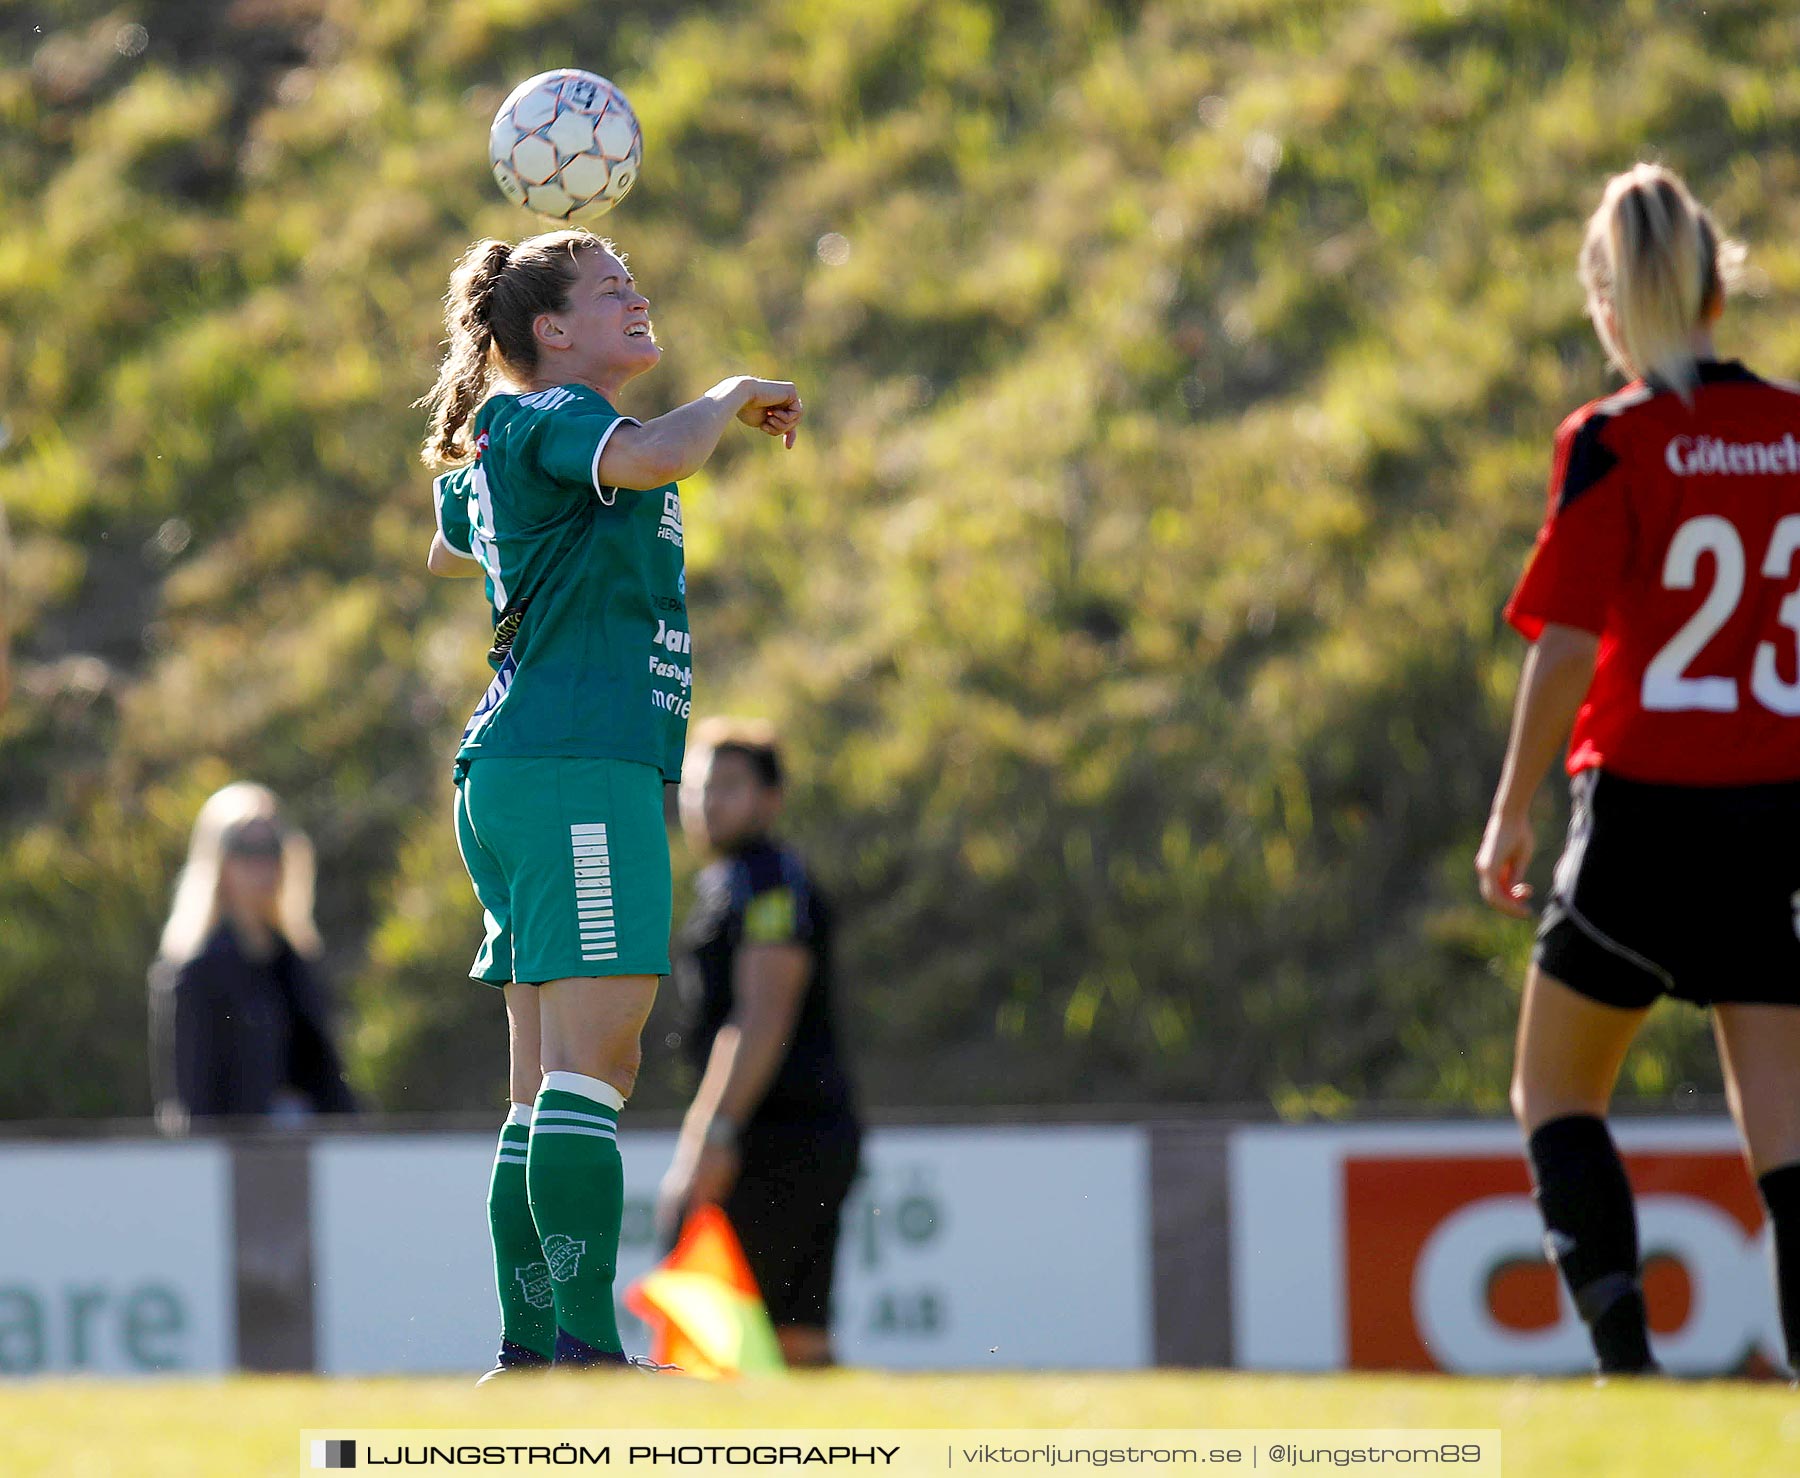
[[1696, 456]]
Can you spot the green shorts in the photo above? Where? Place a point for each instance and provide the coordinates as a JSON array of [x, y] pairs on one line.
[[570, 860]]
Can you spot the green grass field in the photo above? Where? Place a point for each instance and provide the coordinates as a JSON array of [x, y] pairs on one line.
[[250, 1425]]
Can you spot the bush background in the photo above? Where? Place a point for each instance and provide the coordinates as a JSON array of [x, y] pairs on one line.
[[1177, 425]]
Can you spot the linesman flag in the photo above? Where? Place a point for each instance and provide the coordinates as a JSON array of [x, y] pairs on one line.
[[703, 1307]]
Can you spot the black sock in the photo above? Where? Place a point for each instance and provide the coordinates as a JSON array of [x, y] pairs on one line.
[[1781, 1194], [1590, 1226]]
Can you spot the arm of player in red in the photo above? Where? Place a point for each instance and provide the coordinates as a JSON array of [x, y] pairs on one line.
[[1558, 671]]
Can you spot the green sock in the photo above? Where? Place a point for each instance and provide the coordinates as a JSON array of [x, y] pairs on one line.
[[577, 1187], [527, 1310]]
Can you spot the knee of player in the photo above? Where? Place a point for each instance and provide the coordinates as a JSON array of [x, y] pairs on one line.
[[1521, 1096], [622, 1070]]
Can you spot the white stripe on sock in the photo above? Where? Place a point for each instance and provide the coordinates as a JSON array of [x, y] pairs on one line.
[[582, 1086], [574, 1129], [573, 1116]]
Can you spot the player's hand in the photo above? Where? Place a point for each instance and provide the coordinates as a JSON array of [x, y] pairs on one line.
[[715, 1173], [672, 1197], [773, 406], [1506, 848], [695, 1180]]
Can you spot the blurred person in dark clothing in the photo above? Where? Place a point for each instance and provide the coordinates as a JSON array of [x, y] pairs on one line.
[[239, 1018], [772, 1135]]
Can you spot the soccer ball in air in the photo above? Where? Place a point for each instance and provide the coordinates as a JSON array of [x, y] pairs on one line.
[[565, 144]]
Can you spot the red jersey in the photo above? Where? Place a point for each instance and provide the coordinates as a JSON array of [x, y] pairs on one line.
[[1674, 535]]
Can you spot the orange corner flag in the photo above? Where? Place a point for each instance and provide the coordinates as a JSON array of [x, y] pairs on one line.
[[703, 1307]]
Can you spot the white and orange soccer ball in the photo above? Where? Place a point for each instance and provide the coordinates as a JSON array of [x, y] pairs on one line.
[[566, 144]]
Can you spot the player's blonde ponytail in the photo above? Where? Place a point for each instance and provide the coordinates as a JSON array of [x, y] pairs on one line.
[[1655, 269], [496, 292]]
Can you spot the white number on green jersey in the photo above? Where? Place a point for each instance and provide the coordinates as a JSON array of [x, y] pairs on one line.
[[481, 533]]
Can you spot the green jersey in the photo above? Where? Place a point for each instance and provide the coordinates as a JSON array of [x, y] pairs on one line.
[[591, 649]]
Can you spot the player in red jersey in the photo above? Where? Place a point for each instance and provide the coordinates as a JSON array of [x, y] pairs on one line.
[[1663, 609]]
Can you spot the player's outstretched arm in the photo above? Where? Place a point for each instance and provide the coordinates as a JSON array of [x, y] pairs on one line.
[[676, 445]]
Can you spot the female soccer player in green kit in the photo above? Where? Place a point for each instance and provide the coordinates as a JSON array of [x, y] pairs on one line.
[[570, 512]]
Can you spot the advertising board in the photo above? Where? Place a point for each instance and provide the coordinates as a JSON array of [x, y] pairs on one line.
[[961, 1248], [1418, 1247], [115, 1258]]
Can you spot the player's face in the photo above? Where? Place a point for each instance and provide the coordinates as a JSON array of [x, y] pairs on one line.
[[609, 338], [250, 874], [727, 804]]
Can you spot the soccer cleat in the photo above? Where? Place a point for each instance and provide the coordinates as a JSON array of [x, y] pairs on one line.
[[514, 1359], [571, 1351]]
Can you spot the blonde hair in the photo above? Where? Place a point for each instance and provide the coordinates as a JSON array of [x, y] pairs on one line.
[[1655, 269], [496, 293], [195, 913]]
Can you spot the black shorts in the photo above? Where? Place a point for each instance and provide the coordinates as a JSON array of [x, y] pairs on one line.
[[1681, 890], [784, 1208]]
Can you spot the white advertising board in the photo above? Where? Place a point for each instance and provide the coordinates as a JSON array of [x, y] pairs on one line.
[[961, 1248], [115, 1259], [1418, 1247], [998, 1247]]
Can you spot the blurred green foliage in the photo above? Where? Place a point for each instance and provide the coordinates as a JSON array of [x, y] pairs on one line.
[[1177, 424]]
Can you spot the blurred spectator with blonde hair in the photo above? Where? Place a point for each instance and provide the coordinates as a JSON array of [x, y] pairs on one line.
[[239, 1020]]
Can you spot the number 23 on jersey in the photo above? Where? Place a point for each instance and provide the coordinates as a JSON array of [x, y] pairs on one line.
[[1667, 686]]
